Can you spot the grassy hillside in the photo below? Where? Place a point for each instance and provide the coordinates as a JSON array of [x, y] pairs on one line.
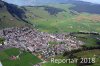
[[6, 20], [11, 15], [60, 18]]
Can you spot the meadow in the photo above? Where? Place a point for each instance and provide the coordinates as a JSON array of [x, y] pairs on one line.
[[90, 54], [64, 21], [25, 59], [89, 40]]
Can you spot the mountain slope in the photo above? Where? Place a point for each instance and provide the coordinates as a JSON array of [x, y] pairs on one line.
[[11, 15], [63, 18], [57, 16], [79, 6]]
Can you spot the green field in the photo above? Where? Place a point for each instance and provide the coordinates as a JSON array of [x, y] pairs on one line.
[[89, 40], [49, 63], [90, 54], [26, 59], [63, 21], [54, 64]]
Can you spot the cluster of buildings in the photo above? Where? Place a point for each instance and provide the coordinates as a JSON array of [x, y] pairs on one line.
[[37, 42]]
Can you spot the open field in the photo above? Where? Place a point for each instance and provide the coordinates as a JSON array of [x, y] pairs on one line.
[[64, 21], [89, 40], [90, 54], [25, 59], [49, 63], [62, 64]]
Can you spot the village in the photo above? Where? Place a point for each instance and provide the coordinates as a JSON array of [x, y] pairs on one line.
[[38, 43]]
